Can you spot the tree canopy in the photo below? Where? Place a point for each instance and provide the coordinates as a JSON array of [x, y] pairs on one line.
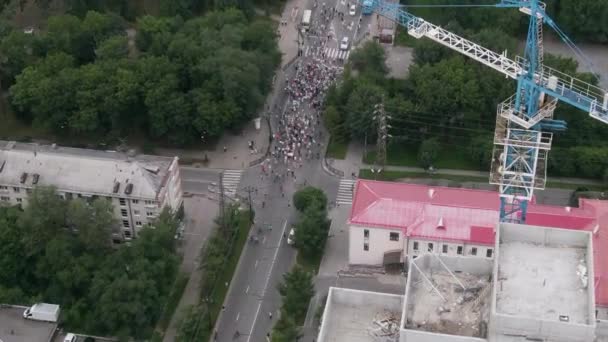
[[184, 80], [60, 252]]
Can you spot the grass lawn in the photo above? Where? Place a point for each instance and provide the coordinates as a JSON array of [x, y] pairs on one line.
[[407, 155], [394, 175], [336, 149], [174, 297], [220, 290]]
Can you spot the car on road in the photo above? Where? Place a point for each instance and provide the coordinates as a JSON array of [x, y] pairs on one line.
[[291, 237], [352, 10], [344, 44]]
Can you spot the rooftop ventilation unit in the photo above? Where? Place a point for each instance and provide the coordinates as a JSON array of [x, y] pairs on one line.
[[23, 178], [36, 178], [2, 165], [440, 224], [129, 189], [116, 187]]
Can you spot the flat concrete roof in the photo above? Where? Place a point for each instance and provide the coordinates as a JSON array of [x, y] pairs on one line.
[[542, 281], [360, 316], [15, 328], [449, 295], [82, 170]]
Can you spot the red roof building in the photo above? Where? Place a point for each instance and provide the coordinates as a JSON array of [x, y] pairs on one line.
[[470, 216]]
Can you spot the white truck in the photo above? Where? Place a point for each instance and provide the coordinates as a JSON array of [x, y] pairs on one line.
[[306, 18], [42, 312]]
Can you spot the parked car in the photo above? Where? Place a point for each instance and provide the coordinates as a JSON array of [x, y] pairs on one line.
[[353, 10], [291, 237], [70, 338], [344, 44]]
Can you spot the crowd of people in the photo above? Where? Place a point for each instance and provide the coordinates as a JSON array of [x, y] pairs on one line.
[[297, 137]]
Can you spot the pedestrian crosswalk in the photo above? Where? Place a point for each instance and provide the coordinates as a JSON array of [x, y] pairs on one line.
[[328, 53], [230, 181], [345, 191]]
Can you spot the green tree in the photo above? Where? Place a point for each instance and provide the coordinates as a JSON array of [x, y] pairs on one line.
[[428, 152], [480, 150], [311, 231], [360, 108], [115, 47], [296, 289], [585, 19], [370, 60], [334, 122], [308, 197], [286, 330]]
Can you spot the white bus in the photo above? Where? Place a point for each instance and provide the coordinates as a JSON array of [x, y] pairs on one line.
[[306, 20]]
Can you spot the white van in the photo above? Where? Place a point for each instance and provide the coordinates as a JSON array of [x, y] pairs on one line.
[[42, 312]]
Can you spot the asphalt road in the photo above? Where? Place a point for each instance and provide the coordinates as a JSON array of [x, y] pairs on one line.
[[253, 294], [197, 180]]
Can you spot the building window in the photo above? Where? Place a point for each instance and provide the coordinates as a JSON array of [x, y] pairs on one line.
[[16, 189], [489, 253], [474, 251], [5, 199], [127, 234], [415, 245], [149, 202], [3, 187], [459, 250], [394, 237], [136, 212], [29, 191], [430, 245], [366, 246], [125, 223], [366, 233], [123, 212], [138, 223], [122, 201], [444, 249], [135, 201], [149, 213], [19, 200]]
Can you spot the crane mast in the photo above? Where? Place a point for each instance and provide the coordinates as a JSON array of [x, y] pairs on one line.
[[524, 121]]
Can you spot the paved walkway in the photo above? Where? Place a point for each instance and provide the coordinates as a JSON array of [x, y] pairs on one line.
[[353, 162], [237, 155]]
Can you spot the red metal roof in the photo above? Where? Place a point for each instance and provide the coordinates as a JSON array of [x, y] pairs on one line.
[[467, 215]]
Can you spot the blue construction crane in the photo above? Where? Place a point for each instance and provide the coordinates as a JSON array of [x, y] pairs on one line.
[[524, 121]]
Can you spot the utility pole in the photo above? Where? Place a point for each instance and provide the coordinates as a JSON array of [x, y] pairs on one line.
[[249, 190], [382, 127]]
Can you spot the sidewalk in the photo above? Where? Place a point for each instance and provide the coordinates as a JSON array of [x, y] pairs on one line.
[[354, 162], [237, 155], [288, 40]]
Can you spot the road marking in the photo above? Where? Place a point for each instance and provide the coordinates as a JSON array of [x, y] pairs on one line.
[[256, 264], [254, 320], [274, 259], [345, 191], [238, 315], [247, 290], [264, 240]]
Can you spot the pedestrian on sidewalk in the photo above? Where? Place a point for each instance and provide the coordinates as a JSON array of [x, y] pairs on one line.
[[270, 315]]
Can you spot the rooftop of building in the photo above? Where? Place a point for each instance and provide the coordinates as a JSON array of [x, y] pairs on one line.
[[14, 328], [543, 273], [469, 215], [82, 170], [449, 295], [360, 316]]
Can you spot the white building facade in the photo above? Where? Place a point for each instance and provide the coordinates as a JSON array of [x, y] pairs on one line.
[[139, 186]]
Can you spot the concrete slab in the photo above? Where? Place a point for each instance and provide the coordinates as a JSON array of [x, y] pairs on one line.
[[541, 281]]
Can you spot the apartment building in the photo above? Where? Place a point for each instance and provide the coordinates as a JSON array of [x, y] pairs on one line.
[[139, 186]]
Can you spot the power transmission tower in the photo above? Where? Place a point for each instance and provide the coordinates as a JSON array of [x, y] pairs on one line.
[[382, 127]]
